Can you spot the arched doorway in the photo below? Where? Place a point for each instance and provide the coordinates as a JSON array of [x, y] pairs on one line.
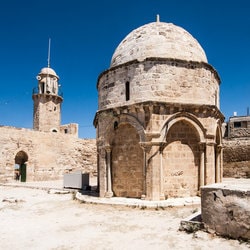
[[181, 161], [127, 163], [20, 166]]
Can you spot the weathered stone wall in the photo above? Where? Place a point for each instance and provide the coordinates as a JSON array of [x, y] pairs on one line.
[[226, 209], [236, 158], [127, 167], [239, 132], [50, 155], [159, 80], [161, 93], [176, 171]]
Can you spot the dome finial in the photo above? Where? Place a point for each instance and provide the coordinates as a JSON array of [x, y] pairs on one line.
[[157, 18]]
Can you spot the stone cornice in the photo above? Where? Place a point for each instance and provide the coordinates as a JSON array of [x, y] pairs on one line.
[[170, 108]]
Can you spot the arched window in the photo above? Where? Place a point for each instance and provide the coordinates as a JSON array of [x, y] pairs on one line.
[[127, 91]]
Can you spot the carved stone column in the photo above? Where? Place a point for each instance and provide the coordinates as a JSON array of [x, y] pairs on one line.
[[221, 164], [161, 148], [210, 163], [146, 148], [109, 192], [218, 164], [102, 171], [202, 164]]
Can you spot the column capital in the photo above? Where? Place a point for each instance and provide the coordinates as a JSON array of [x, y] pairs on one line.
[[146, 146], [99, 142], [108, 148], [101, 151], [202, 146], [219, 147]]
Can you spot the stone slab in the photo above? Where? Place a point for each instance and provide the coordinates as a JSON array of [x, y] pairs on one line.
[[226, 208]]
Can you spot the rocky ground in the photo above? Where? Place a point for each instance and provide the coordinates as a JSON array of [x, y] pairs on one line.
[[36, 219]]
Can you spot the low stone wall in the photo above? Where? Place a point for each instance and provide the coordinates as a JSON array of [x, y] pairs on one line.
[[226, 209], [239, 169], [236, 158], [49, 155]]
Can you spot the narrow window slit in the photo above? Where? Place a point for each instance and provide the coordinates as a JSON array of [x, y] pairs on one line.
[[127, 87]]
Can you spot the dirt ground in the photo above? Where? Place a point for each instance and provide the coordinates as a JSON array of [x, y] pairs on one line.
[[35, 219]]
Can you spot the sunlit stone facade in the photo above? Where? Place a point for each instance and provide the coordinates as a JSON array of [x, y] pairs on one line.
[[158, 120]]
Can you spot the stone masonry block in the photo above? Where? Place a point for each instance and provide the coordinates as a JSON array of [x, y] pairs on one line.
[[226, 209]]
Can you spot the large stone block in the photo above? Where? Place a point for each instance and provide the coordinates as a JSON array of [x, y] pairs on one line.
[[226, 209]]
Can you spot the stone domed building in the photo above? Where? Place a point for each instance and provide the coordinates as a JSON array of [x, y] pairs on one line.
[[158, 120]]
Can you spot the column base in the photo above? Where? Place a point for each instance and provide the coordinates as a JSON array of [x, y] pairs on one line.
[[162, 197], [109, 194]]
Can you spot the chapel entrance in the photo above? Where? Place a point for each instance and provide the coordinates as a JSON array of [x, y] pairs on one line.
[[127, 163], [20, 166]]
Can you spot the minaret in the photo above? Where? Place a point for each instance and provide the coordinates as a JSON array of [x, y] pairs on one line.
[[47, 101]]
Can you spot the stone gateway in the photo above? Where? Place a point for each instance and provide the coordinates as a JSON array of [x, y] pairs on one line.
[[158, 121]]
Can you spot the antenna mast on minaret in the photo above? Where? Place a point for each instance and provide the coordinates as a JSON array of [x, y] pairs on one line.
[[49, 53], [157, 18]]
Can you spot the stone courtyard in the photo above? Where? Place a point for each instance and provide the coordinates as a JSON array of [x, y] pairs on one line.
[[36, 219]]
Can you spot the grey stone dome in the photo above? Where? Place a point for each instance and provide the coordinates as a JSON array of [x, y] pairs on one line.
[[161, 40]]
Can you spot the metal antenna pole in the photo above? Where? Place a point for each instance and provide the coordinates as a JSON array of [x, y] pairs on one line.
[[49, 53], [157, 18]]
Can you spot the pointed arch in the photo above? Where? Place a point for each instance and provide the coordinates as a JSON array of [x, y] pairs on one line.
[[123, 119], [183, 116], [123, 135], [181, 159]]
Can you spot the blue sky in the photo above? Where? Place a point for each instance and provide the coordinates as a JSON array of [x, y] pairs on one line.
[[84, 35]]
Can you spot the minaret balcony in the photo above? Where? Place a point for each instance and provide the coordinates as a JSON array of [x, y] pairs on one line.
[[36, 91]]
